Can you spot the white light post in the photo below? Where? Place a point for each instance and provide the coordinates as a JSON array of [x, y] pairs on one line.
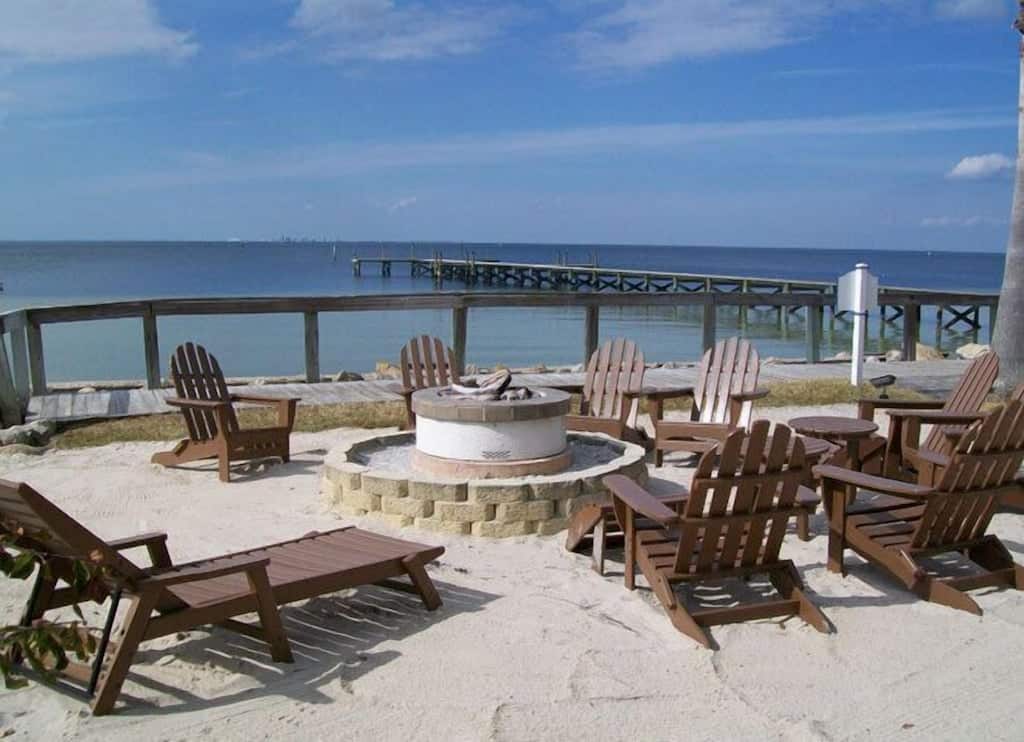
[[858, 294]]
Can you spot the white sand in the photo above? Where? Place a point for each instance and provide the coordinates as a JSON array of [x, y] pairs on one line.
[[530, 644]]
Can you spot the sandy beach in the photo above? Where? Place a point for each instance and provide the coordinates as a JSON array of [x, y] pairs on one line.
[[530, 643]]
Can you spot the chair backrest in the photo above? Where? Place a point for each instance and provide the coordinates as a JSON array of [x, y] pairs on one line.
[[1018, 394], [36, 523], [427, 363], [737, 512], [967, 396], [197, 375], [733, 365], [986, 460], [616, 368]]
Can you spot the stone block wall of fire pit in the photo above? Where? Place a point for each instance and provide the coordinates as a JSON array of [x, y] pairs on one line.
[[495, 508]]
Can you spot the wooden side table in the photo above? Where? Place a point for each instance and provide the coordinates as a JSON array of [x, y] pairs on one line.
[[845, 431]]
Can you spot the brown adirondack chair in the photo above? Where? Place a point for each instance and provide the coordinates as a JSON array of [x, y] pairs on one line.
[[732, 525], [209, 411], [924, 520], [723, 401], [902, 455], [426, 363], [611, 393], [167, 598]]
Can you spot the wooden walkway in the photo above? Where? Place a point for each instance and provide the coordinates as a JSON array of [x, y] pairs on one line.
[[929, 377]]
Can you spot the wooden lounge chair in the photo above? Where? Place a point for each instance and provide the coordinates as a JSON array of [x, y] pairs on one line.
[[426, 363], [723, 401], [209, 412], [167, 598], [903, 455], [732, 525], [950, 517], [611, 393]]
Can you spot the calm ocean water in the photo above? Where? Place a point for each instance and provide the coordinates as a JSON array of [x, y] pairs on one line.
[[46, 273]]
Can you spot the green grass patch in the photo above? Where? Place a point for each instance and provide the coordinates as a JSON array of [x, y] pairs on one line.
[[312, 419]]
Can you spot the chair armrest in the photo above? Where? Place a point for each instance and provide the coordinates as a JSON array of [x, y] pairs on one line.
[[750, 396], [207, 571], [939, 417], [806, 497], [931, 457], [866, 407], [903, 404], [206, 404], [871, 482], [665, 429], [143, 539], [262, 400], [155, 543], [655, 393], [637, 499]]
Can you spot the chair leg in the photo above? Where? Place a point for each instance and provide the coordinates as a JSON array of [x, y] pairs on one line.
[[112, 677], [659, 457], [678, 614], [803, 526], [582, 523], [424, 585], [270, 617], [837, 531], [787, 581], [599, 543], [993, 556], [937, 591], [224, 464]]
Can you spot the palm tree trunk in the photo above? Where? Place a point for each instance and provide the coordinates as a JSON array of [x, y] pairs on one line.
[[1008, 338]]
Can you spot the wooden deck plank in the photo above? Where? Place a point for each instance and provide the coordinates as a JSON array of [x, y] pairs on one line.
[[930, 377]]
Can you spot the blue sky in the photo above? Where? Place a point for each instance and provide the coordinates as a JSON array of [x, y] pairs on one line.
[[880, 124]]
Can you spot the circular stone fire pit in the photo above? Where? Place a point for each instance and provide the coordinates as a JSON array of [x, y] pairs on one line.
[[461, 437], [377, 476]]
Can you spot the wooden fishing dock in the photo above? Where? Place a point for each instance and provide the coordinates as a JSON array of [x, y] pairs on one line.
[[953, 310]]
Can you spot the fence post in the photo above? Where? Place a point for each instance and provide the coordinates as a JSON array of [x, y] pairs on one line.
[[36, 362], [708, 324], [312, 343], [19, 360], [591, 332], [814, 321], [910, 331], [10, 405], [459, 318], [151, 347]]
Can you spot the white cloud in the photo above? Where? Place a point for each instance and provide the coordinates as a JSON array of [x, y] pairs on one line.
[[341, 159], [635, 34], [48, 31], [643, 33], [388, 31], [403, 203], [961, 221], [973, 9], [977, 167]]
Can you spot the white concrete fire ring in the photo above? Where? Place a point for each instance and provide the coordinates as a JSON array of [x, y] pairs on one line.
[[457, 436]]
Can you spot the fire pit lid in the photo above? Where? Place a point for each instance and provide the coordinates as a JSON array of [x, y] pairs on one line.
[[440, 404]]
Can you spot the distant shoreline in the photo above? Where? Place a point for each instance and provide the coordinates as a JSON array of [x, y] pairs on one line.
[[459, 244]]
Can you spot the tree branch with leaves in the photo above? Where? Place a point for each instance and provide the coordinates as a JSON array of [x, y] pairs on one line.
[[45, 645]]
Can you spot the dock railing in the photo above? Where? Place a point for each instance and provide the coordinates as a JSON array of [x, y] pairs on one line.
[[23, 369]]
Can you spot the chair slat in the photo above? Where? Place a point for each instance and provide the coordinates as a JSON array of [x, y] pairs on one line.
[[968, 396], [426, 363], [985, 459]]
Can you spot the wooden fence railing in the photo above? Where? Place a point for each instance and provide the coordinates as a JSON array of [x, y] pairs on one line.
[[23, 370]]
